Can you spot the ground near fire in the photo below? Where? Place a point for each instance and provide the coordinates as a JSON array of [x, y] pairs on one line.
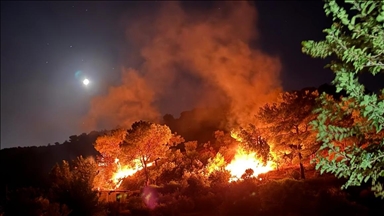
[[252, 149]]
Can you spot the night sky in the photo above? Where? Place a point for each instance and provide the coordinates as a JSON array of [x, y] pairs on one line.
[[48, 48]]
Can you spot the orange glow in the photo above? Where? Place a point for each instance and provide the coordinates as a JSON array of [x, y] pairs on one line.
[[236, 136], [215, 164], [246, 160], [124, 171]]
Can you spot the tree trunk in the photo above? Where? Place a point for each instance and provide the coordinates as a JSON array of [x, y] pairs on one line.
[[146, 173], [302, 174], [302, 171]]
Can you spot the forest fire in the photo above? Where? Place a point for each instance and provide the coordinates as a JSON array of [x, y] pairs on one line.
[[122, 172], [125, 171], [246, 160], [245, 163]]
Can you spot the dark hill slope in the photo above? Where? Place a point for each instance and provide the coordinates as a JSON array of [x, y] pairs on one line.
[[29, 166]]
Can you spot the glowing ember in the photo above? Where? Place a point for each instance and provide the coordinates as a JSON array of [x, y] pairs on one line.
[[243, 161]]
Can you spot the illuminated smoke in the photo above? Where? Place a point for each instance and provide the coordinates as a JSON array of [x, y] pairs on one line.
[[123, 104], [195, 59]]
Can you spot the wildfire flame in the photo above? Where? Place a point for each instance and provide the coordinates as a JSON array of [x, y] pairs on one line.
[[216, 164], [236, 136], [125, 171], [242, 161], [246, 160]]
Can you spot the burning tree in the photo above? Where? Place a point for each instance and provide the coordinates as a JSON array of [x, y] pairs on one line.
[[287, 125], [146, 142], [216, 164], [125, 152], [108, 145], [243, 149], [251, 139]]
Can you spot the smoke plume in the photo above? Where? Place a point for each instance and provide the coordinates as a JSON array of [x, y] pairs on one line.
[[189, 59]]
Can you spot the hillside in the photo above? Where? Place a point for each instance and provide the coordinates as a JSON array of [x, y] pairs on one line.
[[29, 166]]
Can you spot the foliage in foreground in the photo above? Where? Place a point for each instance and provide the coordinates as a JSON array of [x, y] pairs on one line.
[[70, 193], [72, 185], [194, 195], [32, 201], [353, 150]]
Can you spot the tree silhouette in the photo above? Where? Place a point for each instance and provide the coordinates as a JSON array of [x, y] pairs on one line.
[[252, 140], [287, 124], [72, 185]]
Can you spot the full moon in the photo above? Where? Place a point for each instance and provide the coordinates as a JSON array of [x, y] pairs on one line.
[[85, 81]]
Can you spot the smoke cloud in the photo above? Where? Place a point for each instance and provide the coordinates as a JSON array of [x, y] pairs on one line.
[[124, 104], [189, 59]]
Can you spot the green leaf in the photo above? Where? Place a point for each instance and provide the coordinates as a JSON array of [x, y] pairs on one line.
[[380, 18], [358, 45]]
